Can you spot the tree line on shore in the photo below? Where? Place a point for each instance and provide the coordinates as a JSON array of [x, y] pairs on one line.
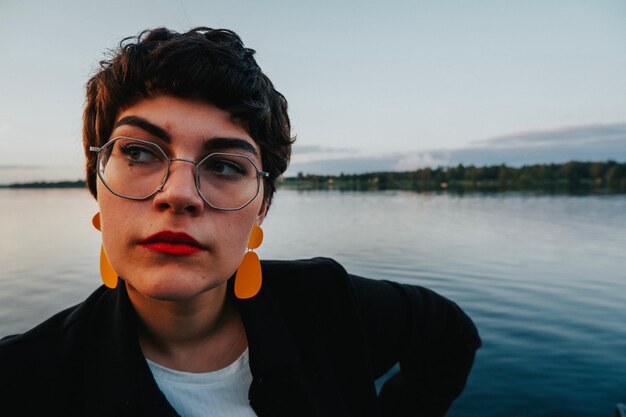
[[45, 184], [570, 177]]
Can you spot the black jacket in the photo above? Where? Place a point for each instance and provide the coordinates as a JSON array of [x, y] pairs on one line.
[[318, 338]]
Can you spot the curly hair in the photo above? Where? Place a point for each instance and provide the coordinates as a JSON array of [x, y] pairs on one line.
[[211, 65]]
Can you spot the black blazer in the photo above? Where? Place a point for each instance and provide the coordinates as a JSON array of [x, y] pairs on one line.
[[318, 338]]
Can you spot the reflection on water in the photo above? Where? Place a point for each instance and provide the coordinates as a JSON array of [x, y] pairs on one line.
[[543, 277]]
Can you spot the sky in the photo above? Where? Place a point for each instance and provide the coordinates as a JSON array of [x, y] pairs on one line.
[[371, 85]]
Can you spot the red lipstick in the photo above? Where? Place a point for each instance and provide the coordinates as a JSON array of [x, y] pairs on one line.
[[172, 243]]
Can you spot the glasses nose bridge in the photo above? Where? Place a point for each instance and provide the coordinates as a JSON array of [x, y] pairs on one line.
[[189, 161], [184, 160]]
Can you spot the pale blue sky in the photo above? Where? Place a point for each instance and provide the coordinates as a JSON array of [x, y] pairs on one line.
[[364, 79]]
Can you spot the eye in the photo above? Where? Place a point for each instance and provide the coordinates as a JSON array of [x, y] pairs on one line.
[[225, 168], [139, 153]]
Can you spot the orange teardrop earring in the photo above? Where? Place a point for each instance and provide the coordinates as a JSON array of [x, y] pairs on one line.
[[107, 273], [249, 276]]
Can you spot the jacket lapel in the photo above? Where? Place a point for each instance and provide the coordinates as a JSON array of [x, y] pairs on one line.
[[118, 381], [278, 387]]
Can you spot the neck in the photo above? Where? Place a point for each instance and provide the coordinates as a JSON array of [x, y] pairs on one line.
[[201, 335]]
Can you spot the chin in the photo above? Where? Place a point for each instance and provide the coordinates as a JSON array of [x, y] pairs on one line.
[[171, 287]]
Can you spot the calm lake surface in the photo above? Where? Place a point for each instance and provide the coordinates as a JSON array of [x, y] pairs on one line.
[[543, 277]]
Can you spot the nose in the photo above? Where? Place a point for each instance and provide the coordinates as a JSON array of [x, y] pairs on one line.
[[179, 193]]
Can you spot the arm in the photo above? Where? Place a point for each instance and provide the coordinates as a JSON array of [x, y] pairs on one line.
[[431, 337]]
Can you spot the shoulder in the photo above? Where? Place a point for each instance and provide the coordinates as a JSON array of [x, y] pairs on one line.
[[317, 291], [302, 267], [304, 276], [48, 362], [51, 329], [47, 345]]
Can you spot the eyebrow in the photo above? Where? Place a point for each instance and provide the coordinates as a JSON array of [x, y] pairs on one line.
[[226, 143], [142, 123], [209, 145]]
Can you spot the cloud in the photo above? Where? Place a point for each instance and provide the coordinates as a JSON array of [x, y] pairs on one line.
[[342, 165], [6, 167], [303, 154], [10, 173], [574, 135], [581, 143], [414, 161], [308, 149]]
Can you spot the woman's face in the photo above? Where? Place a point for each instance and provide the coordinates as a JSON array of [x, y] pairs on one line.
[[158, 268]]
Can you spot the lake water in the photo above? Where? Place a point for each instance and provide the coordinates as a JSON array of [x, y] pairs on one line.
[[543, 277]]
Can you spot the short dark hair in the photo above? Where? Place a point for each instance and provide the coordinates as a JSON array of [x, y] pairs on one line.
[[211, 65]]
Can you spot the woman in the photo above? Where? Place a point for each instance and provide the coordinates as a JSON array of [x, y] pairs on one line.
[[185, 138]]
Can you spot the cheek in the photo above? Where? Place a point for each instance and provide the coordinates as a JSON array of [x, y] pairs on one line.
[[235, 235], [236, 232], [116, 223], [109, 210]]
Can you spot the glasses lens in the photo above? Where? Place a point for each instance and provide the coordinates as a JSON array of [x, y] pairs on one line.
[[227, 181], [132, 168]]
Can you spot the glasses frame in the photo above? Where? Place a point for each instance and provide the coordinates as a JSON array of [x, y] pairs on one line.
[[169, 160]]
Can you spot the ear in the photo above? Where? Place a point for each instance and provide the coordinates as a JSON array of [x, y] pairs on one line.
[[262, 212]]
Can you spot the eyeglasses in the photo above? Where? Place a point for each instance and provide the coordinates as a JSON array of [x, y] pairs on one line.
[[137, 169]]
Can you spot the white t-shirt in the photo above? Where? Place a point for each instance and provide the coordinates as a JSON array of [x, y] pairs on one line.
[[219, 393]]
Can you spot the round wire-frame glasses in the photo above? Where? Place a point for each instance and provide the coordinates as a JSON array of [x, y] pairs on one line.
[[109, 145]]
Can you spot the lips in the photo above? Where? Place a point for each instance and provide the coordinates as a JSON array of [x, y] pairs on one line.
[[172, 243]]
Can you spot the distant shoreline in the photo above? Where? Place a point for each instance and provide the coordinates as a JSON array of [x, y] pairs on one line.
[[572, 176], [45, 184]]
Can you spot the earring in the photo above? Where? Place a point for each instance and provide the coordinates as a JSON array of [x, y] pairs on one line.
[[107, 273], [249, 276]]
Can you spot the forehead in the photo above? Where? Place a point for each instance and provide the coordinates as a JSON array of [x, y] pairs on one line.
[[178, 120]]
